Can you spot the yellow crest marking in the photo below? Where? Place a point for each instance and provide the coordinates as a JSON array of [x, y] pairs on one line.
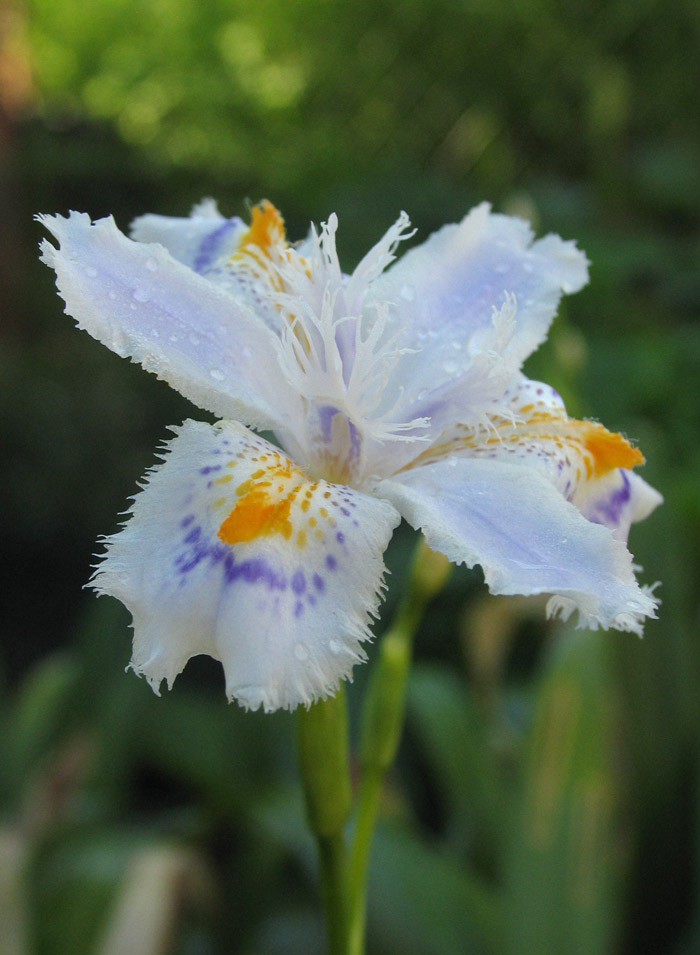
[[265, 505]]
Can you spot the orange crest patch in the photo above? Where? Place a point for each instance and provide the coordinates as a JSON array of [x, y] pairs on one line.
[[608, 449], [266, 230]]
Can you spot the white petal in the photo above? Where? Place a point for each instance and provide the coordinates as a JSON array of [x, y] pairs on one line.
[[588, 465], [514, 523], [211, 245], [445, 291], [197, 241], [231, 551], [137, 300]]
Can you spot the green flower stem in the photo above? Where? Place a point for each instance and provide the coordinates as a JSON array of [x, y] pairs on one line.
[[382, 724], [322, 733]]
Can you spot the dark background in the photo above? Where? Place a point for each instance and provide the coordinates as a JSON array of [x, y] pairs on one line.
[[545, 799]]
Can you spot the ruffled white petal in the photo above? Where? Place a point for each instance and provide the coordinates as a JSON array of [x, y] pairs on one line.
[[589, 466], [231, 551], [445, 291], [140, 302], [527, 538], [199, 241]]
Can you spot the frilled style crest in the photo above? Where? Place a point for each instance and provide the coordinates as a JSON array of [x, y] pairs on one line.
[[395, 391]]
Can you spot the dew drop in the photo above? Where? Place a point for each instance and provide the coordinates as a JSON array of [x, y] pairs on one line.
[[151, 265], [450, 367], [173, 338], [112, 294], [194, 339], [140, 294], [407, 293], [501, 268], [90, 272], [528, 266], [301, 651], [334, 646], [216, 374]]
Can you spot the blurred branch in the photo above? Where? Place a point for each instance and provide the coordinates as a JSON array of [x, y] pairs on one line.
[[159, 883], [13, 900]]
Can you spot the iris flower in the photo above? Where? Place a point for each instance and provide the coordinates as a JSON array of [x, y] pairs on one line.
[[393, 392]]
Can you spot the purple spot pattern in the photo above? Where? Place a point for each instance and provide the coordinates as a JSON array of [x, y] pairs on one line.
[[199, 547]]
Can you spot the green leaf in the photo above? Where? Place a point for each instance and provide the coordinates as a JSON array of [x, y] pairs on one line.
[[422, 901], [455, 745], [564, 873], [36, 717], [74, 881]]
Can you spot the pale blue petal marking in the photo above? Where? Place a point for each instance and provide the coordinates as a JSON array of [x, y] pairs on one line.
[[142, 303], [515, 524], [445, 291]]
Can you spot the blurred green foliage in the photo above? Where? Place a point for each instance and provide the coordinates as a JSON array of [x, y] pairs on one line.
[[546, 798]]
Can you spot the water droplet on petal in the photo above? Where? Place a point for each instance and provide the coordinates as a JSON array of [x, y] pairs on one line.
[[502, 268], [216, 374], [334, 646], [194, 339], [407, 293], [151, 265], [112, 294], [301, 652], [90, 272], [528, 266], [140, 294], [450, 367]]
